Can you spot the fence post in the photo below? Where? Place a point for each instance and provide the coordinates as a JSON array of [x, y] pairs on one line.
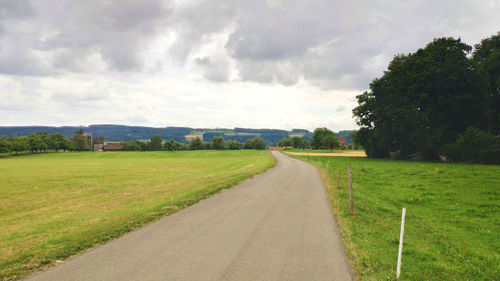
[[350, 189], [338, 183], [400, 252]]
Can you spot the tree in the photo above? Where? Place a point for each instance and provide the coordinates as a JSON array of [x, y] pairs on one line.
[[422, 102], [486, 61], [320, 134], [330, 141], [156, 143], [218, 143], [196, 144], [298, 142], [285, 142], [234, 145], [80, 141], [255, 143], [58, 141], [5, 144], [98, 140], [20, 144]]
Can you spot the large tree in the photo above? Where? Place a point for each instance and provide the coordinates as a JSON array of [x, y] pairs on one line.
[[422, 102], [486, 61]]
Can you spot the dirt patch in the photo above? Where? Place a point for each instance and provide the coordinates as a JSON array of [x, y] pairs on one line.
[[333, 154]]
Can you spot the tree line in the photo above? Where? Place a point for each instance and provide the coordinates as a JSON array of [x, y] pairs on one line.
[[443, 100], [43, 142], [217, 143], [322, 138]]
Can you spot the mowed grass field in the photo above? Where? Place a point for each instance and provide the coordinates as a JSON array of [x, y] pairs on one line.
[[452, 228], [55, 205]]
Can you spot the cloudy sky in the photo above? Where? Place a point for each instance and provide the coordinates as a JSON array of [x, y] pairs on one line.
[[212, 63]]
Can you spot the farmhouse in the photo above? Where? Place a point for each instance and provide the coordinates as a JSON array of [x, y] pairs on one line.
[[113, 146]]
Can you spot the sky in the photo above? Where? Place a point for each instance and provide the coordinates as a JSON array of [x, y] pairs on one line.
[[212, 63]]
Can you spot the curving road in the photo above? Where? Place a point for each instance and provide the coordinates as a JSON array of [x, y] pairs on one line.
[[276, 226]]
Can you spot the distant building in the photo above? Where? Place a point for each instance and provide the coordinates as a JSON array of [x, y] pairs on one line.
[[341, 140], [113, 146], [276, 148]]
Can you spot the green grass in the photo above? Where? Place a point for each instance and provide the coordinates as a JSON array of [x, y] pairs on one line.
[[55, 205], [318, 150], [452, 228]]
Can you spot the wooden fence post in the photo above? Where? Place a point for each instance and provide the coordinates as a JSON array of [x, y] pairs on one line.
[[350, 190]]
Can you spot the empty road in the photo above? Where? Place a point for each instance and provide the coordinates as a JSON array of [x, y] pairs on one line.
[[276, 226]]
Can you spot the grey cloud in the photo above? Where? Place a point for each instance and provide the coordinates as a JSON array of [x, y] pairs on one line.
[[67, 33], [331, 44]]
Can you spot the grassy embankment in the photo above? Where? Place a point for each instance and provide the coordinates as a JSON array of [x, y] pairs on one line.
[[452, 229], [55, 205]]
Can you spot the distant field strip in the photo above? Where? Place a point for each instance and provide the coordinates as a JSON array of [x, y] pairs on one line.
[[330, 154], [452, 217], [55, 205]]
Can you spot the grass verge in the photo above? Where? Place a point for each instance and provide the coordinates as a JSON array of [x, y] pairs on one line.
[[452, 221], [55, 205]]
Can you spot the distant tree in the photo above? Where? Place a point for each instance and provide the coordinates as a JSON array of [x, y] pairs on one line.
[[234, 145], [319, 136], [20, 144], [80, 141], [285, 142], [218, 143], [58, 141], [156, 143], [5, 144], [298, 142], [196, 144], [255, 143], [98, 140], [329, 141]]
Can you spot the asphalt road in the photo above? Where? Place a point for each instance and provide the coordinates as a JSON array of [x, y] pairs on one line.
[[276, 226]]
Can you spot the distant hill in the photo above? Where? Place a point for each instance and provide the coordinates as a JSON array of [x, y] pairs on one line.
[[182, 134]]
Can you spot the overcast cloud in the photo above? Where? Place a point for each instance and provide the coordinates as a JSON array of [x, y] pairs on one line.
[[212, 63]]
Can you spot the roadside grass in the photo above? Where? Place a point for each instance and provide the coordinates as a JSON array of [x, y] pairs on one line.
[[318, 150], [452, 228], [55, 205]]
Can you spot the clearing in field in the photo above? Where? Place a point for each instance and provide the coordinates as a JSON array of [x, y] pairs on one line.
[[452, 220], [55, 205]]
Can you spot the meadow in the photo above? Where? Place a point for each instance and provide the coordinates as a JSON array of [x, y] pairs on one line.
[[55, 205], [452, 228], [320, 150]]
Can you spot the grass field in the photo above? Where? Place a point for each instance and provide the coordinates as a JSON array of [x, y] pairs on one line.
[[55, 205], [452, 229]]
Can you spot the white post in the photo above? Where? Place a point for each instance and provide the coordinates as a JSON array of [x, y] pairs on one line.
[[398, 270]]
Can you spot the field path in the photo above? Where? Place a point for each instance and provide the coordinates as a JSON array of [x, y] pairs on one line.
[[276, 226]]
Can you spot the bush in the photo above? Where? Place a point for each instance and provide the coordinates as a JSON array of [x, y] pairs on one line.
[[474, 146]]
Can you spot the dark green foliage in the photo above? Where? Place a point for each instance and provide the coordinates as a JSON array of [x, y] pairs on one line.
[[5, 144], [285, 143], [474, 146], [234, 145], [422, 102], [196, 144], [324, 138], [330, 142], [20, 144], [156, 143], [486, 61], [81, 141], [298, 142], [218, 143], [255, 143]]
